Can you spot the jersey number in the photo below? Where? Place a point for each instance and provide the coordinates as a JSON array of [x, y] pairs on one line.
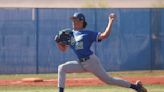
[[79, 45]]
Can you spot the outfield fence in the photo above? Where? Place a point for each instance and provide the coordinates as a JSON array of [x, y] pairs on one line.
[[27, 45]]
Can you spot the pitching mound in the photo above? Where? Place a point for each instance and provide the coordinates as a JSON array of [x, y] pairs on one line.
[[78, 81]]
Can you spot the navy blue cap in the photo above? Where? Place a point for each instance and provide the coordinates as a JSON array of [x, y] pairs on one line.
[[79, 16]]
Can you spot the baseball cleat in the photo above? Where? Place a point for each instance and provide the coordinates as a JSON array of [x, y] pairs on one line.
[[140, 87]]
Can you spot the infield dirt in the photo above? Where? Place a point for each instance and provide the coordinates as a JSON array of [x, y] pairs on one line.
[[79, 81]]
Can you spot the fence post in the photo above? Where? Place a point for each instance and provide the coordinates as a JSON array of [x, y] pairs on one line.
[[155, 28], [37, 38]]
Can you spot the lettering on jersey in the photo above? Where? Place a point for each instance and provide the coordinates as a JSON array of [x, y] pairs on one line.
[[72, 41], [79, 45], [77, 42]]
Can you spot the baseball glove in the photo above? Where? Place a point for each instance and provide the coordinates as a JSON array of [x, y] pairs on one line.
[[64, 36]]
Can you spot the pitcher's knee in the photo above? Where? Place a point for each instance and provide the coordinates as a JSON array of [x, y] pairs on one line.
[[61, 68]]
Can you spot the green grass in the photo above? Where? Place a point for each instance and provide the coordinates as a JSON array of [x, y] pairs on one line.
[[52, 88], [151, 88], [83, 75], [27, 89]]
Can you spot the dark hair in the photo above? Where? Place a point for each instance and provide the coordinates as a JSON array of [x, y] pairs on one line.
[[84, 24]]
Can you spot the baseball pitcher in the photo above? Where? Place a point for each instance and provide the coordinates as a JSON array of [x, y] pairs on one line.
[[80, 40]]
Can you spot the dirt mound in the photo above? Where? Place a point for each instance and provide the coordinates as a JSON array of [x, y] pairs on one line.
[[78, 81]]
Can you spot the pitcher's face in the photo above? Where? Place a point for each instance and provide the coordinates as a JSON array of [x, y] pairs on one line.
[[77, 24]]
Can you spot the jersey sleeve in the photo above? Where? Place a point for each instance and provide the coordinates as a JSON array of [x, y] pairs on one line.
[[94, 36]]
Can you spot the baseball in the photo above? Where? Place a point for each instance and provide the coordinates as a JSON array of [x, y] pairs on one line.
[[112, 15]]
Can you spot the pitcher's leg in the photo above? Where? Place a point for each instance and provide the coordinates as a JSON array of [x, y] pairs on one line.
[[68, 67], [102, 75], [112, 80], [96, 68]]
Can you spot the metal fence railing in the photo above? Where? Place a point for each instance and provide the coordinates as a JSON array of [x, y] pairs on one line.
[[27, 46]]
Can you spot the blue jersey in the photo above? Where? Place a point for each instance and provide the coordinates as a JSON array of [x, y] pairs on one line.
[[82, 41]]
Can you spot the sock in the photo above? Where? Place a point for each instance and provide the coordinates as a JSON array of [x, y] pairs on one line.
[[133, 86], [61, 89]]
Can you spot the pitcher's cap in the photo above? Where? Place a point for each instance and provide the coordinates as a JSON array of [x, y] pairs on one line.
[[78, 15]]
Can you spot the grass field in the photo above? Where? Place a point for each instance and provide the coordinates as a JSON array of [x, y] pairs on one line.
[[84, 75], [53, 88], [151, 88]]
